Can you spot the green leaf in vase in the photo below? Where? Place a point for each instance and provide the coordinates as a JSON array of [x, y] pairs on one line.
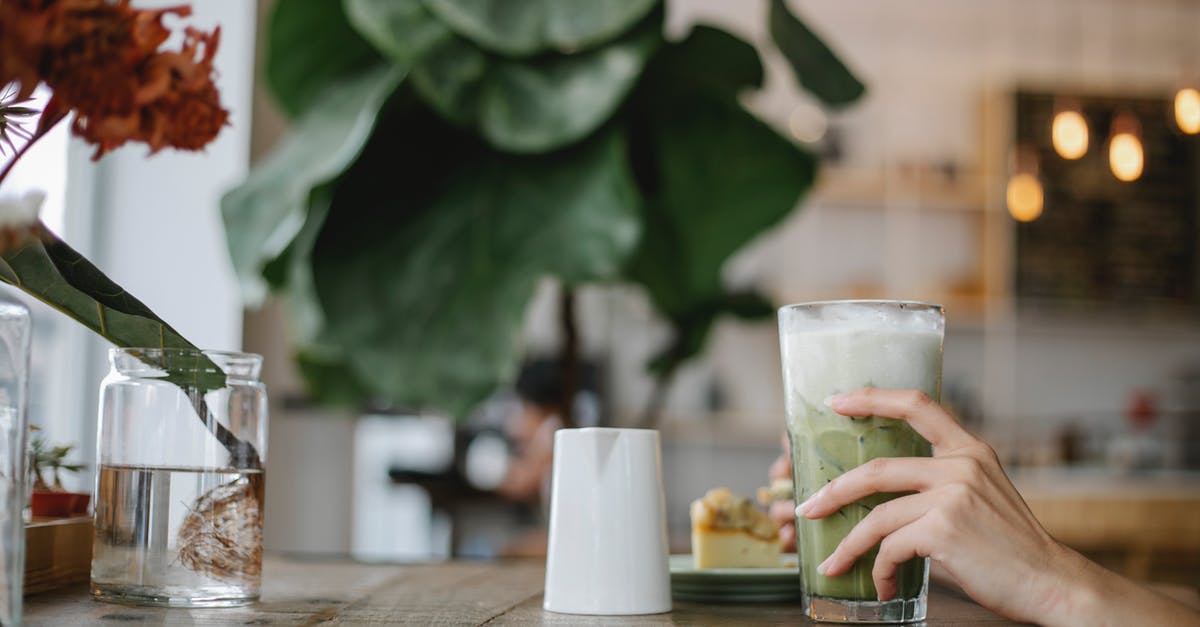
[[521, 29], [425, 291], [310, 45], [816, 67], [51, 271]]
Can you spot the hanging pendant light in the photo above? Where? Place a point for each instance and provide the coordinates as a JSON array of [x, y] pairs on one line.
[[1069, 130], [1126, 156], [1187, 110], [1024, 192]]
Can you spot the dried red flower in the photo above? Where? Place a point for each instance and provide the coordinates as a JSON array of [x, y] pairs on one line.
[[102, 61]]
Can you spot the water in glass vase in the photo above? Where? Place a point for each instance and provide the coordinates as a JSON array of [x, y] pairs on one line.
[[178, 536]]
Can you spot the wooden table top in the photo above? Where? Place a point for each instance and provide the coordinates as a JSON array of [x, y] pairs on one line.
[[299, 592]]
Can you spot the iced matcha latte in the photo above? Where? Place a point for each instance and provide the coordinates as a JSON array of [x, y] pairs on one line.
[[839, 346]]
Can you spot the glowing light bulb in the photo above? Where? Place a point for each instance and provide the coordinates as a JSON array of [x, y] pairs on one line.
[[1125, 156], [1187, 110], [1024, 197], [1069, 133]]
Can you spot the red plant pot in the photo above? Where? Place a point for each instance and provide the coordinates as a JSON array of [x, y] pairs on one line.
[[52, 504], [79, 506]]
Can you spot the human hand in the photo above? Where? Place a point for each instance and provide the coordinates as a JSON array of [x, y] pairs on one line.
[[965, 514], [783, 513]]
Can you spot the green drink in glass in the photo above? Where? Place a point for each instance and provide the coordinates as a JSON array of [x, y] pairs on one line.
[[839, 346]]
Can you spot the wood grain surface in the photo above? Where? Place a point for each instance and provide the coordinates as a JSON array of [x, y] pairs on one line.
[[300, 592]]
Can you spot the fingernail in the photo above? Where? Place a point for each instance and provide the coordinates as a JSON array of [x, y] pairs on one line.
[[822, 567], [837, 401], [829, 401], [802, 510]]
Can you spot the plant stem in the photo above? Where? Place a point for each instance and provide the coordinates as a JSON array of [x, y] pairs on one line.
[[569, 359], [242, 454]]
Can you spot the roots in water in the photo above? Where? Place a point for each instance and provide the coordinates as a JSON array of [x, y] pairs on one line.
[[222, 535]]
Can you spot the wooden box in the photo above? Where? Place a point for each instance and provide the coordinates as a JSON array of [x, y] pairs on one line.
[[58, 552]]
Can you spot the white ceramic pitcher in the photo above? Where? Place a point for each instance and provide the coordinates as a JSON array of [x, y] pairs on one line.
[[608, 550]]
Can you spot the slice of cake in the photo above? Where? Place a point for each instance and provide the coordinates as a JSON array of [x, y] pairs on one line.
[[729, 532]]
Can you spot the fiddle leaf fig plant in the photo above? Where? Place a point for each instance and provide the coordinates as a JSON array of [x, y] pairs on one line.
[[445, 155]]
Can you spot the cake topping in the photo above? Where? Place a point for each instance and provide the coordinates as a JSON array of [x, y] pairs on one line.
[[779, 490], [720, 508]]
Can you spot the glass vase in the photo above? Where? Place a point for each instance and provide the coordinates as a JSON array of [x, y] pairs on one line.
[[15, 334], [181, 453]]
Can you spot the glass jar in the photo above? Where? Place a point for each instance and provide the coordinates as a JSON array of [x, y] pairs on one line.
[[15, 333], [181, 452]]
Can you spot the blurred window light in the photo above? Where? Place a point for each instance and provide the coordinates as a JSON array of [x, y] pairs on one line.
[[1025, 198], [1187, 110], [44, 167], [1069, 133]]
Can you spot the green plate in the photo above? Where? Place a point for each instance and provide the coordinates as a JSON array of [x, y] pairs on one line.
[[734, 585]]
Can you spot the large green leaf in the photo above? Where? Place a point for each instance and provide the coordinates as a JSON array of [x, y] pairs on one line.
[[310, 45], [449, 79], [401, 29], [714, 176], [264, 214], [48, 269], [425, 291], [816, 67], [535, 105], [523, 28], [525, 106], [321, 360]]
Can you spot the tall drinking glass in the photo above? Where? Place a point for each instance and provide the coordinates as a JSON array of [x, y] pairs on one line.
[[839, 346]]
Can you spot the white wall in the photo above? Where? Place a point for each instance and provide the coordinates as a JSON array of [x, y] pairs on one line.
[[158, 217]]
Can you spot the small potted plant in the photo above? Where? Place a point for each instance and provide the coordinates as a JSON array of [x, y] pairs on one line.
[[49, 498]]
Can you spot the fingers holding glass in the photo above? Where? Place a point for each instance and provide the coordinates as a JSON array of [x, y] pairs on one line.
[[884, 520], [916, 408], [882, 474]]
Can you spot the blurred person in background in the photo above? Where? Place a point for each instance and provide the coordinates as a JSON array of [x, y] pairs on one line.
[[530, 433]]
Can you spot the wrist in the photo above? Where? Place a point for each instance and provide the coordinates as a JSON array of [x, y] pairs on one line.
[[1075, 591]]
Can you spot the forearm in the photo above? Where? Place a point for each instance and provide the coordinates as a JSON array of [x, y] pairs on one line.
[[1093, 595]]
